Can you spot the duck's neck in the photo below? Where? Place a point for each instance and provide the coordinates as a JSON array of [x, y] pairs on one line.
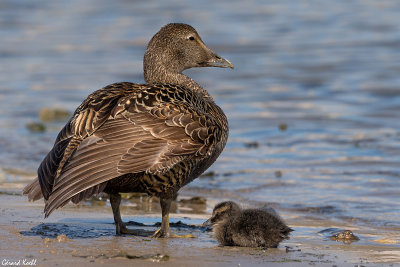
[[182, 79], [175, 78]]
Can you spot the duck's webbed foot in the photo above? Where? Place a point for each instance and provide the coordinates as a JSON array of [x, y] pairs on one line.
[[164, 231], [120, 227], [160, 234]]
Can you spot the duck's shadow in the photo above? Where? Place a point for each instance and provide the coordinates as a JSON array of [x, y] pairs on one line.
[[96, 230]]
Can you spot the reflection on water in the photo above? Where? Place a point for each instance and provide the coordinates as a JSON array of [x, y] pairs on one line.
[[314, 96]]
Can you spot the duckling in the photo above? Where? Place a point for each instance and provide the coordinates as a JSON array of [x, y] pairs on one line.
[[126, 137], [233, 226]]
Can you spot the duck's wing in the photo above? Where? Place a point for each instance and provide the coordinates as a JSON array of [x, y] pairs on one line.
[[87, 118], [141, 135]]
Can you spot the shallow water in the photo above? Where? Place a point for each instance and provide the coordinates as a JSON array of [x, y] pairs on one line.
[[312, 102]]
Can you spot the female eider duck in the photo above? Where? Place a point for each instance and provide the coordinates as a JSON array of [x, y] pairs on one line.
[[152, 138], [233, 226]]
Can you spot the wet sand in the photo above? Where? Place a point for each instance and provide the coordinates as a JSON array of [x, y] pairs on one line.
[[84, 235]]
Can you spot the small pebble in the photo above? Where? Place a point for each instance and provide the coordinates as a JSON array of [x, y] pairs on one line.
[[53, 114], [283, 127], [36, 127], [346, 236], [62, 238]]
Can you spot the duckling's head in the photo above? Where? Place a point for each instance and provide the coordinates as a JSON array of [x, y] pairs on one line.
[[175, 48], [222, 212]]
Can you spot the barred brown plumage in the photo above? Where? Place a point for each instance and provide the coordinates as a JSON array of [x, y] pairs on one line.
[[153, 138]]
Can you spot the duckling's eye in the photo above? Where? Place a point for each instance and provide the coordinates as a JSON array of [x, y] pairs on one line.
[[191, 38]]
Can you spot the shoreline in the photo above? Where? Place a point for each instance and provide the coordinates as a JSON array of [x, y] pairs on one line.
[[85, 235]]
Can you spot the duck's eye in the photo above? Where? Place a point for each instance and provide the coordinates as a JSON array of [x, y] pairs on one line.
[[191, 38]]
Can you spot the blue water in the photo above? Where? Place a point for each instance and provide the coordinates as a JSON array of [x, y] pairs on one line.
[[327, 71]]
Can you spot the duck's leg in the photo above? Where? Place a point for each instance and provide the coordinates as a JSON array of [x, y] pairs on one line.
[[164, 230], [120, 227]]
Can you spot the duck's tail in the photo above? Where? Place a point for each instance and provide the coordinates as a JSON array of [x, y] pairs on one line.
[[33, 190]]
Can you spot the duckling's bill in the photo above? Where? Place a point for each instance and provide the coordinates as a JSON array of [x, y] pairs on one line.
[[207, 223]]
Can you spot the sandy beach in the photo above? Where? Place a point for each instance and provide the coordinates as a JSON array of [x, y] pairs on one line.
[[83, 235]]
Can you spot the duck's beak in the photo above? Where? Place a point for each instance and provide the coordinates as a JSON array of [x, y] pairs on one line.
[[206, 223], [219, 62]]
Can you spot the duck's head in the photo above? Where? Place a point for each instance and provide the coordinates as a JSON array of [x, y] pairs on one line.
[[222, 212], [175, 48]]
